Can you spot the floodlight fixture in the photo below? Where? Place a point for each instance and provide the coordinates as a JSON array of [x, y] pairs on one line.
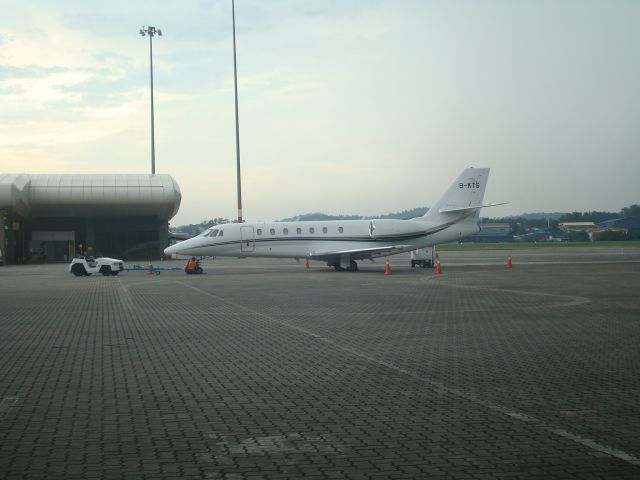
[[151, 31]]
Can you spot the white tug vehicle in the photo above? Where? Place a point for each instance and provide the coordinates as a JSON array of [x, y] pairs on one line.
[[85, 266]]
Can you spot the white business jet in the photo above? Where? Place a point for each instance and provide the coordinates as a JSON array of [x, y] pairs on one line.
[[340, 243]]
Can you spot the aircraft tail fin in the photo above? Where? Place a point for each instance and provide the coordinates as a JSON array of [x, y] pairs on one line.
[[462, 199]]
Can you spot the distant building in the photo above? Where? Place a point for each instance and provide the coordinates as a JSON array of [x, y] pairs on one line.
[[54, 217], [626, 223], [492, 233], [534, 236], [627, 228], [578, 227]]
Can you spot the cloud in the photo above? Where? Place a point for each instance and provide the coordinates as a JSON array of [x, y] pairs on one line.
[[44, 134], [339, 100], [39, 90], [84, 124]]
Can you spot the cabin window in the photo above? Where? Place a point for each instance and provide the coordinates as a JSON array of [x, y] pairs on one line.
[[299, 231], [312, 230], [324, 230], [272, 231], [340, 229], [259, 231], [285, 231]]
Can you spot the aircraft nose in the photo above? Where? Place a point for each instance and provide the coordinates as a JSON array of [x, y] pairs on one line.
[[170, 250]]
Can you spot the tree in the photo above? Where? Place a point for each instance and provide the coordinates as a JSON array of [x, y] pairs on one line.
[[578, 236], [594, 216], [194, 229], [631, 211], [610, 235]]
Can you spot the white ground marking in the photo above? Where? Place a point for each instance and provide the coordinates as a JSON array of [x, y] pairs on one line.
[[441, 387], [458, 263], [573, 300], [126, 300]]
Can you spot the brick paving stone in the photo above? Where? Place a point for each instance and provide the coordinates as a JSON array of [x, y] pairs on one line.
[[281, 373]]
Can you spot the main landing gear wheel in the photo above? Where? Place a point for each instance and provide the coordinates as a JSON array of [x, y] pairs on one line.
[[353, 267], [421, 263]]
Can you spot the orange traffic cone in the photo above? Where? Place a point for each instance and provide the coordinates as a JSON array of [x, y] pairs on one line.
[[438, 267], [306, 263], [509, 263], [387, 268]]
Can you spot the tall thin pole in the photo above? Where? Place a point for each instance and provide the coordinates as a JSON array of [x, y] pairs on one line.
[[235, 83], [151, 31], [153, 139]]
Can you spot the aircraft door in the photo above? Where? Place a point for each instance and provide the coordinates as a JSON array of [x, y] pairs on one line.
[[248, 239]]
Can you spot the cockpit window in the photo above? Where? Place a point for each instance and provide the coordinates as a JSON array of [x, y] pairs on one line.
[[211, 233]]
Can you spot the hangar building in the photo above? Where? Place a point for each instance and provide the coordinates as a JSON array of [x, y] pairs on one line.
[[54, 217]]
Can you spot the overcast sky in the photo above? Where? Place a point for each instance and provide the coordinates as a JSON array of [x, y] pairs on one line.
[[346, 106]]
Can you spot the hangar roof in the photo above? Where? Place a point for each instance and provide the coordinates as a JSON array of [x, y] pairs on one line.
[[626, 222], [69, 195]]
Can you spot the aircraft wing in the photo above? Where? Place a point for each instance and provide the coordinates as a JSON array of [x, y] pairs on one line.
[[360, 253]]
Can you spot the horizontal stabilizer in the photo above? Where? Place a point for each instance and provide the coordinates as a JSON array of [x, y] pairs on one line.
[[468, 208]]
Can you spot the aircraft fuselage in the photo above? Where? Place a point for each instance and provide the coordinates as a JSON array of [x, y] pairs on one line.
[[310, 239]]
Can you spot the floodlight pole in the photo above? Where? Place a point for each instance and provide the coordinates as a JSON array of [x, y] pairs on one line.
[[151, 32], [235, 83]]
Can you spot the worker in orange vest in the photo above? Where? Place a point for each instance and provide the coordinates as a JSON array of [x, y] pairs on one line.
[[192, 265]]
